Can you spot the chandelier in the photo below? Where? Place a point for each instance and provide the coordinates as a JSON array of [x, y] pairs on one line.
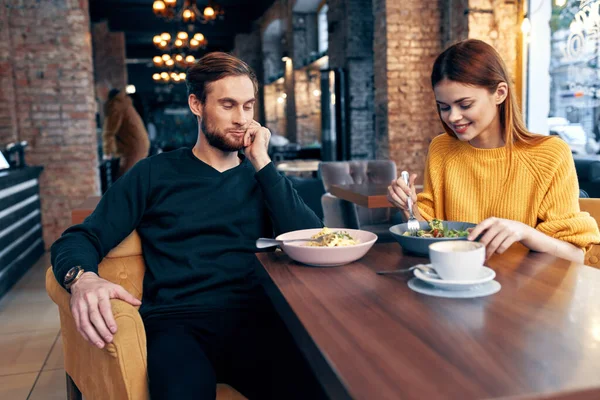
[[188, 12], [172, 63], [182, 40], [166, 77], [178, 60]]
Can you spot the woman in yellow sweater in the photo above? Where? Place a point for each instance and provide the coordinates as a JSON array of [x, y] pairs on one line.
[[489, 170]]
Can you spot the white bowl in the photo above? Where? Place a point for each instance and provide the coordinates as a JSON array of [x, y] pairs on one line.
[[326, 256]]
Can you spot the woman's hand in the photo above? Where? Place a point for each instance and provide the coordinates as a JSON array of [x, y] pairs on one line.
[[398, 193], [499, 234]]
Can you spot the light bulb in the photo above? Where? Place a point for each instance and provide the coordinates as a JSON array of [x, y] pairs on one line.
[[199, 37], [158, 5], [130, 89], [165, 36], [179, 57], [188, 14], [157, 39], [209, 12], [163, 44], [164, 75], [157, 60], [190, 59], [182, 75], [194, 43], [170, 3], [169, 62], [182, 35], [156, 77], [165, 57]]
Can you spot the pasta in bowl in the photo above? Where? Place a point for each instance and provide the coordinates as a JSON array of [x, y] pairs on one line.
[[331, 238], [340, 246]]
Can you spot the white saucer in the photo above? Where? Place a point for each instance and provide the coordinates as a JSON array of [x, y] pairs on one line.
[[482, 290], [486, 275]]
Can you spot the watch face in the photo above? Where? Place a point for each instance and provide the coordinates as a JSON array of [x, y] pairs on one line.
[[71, 274]]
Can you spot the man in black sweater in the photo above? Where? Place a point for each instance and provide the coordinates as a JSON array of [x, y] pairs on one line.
[[198, 212]]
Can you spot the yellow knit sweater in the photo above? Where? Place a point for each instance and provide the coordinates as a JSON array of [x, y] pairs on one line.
[[465, 183]]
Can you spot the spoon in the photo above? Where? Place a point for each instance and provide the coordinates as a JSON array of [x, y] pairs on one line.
[[263, 243], [422, 267]]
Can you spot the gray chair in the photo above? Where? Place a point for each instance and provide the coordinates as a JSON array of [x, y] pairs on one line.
[[338, 213]]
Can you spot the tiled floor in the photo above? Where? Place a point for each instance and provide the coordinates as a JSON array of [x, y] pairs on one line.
[[31, 365]]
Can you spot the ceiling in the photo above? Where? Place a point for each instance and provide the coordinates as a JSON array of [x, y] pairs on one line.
[[136, 19]]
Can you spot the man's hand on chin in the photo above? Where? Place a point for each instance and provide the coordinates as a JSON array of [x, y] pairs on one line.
[[256, 145]]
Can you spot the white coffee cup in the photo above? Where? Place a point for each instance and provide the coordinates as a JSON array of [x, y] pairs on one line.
[[457, 260]]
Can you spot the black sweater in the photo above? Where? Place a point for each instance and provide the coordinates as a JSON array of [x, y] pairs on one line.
[[198, 228]]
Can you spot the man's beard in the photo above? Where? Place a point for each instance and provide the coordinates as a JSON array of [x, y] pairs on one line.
[[218, 139]]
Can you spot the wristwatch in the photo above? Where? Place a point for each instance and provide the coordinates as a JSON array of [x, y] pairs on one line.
[[72, 276]]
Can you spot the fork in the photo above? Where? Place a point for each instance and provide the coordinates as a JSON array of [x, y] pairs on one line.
[[412, 225], [263, 243]]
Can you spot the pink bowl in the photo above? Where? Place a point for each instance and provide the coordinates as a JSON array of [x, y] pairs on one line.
[[326, 256]]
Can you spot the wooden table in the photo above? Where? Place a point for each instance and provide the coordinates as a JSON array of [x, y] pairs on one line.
[[299, 167], [366, 195], [370, 337]]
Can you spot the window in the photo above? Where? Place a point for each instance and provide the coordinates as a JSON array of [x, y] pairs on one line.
[[565, 42], [323, 33]]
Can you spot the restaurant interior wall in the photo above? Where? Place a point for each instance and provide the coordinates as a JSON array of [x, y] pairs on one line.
[[8, 106], [275, 108], [46, 47], [109, 56], [415, 33], [248, 47], [308, 106], [351, 27]]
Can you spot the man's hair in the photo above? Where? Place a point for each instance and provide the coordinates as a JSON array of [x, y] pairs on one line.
[[211, 68]]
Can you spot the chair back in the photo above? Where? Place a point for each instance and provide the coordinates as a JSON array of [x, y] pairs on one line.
[[359, 172]]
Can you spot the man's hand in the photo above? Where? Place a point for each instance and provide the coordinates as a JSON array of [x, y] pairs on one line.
[[256, 145], [90, 306]]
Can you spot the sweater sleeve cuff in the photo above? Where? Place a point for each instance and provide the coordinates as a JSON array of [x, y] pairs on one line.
[[268, 176]]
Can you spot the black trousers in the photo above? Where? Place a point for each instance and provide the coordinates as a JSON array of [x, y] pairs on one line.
[[251, 350]]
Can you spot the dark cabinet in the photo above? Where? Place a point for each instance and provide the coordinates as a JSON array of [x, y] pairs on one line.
[[21, 242]]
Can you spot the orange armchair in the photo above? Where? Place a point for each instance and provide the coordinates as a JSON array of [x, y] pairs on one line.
[[119, 371], [592, 206]]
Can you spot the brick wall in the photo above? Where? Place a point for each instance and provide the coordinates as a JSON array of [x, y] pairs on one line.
[[308, 106], [8, 117], [500, 28], [109, 56], [51, 59], [351, 48], [248, 47], [380, 59], [413, 37]]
